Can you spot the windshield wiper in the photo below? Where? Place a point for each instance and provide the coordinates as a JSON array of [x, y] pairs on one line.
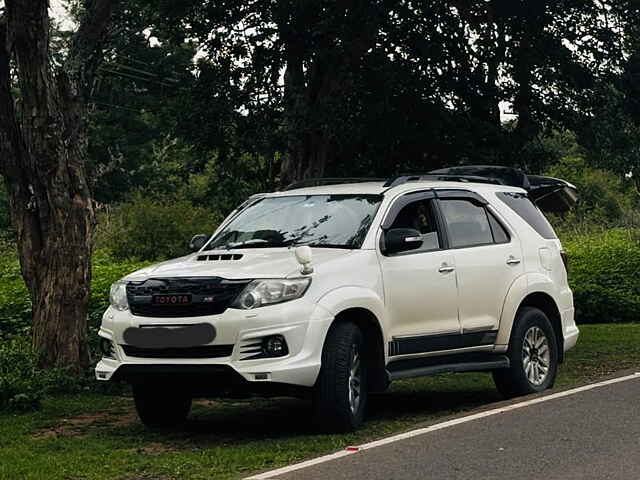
[[321, 245], [253, 243], [331, 245]]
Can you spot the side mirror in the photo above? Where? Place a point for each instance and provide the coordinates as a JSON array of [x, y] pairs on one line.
[[401, 240], [198, 241]]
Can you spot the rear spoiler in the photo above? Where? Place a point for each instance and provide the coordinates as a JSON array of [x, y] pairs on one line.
[[551, 195]]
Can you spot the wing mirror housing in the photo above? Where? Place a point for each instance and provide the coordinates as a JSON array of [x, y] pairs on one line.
[[399, 240], [198, 241]]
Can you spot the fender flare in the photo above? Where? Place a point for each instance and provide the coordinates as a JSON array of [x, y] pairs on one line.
[[520, 289], [345, 298]]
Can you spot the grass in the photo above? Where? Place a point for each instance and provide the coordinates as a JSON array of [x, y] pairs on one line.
[[88, 436]]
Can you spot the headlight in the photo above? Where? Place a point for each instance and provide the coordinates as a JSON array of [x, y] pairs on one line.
[[266, 292], [118, 296]]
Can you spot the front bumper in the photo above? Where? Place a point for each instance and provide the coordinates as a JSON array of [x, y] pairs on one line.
[[304, 327]]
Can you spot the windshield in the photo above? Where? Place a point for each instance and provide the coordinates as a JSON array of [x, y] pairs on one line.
[[334, 221]]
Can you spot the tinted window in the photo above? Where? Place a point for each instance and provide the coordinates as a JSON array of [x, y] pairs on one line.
[[500, 234], [419, 216], [468, 224], [520, 203]]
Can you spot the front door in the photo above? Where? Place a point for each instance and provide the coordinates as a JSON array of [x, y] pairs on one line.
[[419, 284]]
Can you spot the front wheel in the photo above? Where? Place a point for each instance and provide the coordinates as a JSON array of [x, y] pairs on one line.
[[159, 406], [533, 355], [340, 393]]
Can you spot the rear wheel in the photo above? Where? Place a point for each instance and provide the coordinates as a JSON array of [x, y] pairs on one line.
[[340, 393], [159, 406], [533, 354]]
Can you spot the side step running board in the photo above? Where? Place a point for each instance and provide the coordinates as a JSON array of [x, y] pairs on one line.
[[477, 366]]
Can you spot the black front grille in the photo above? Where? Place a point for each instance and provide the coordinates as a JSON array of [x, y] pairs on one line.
[[206, 351], [176, 311], [209, 296]]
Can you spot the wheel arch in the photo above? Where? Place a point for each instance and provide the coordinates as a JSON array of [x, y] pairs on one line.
[[543, 301], [371, 329], [533, 290]]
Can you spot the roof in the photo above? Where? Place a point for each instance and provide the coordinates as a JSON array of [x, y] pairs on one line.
[[377, 188]]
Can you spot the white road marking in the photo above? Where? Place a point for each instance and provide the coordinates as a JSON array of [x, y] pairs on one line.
[[433, 428]]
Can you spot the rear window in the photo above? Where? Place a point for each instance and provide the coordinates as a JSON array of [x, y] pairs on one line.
[[523, 206], [467, 223]]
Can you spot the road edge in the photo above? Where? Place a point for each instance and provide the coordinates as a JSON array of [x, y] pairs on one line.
[[438, 426]]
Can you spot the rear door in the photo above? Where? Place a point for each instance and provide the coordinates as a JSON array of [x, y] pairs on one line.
[[488, 259]]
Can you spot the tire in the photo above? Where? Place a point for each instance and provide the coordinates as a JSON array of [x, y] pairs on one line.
[[159, 406], [340, 393], [532, 346]]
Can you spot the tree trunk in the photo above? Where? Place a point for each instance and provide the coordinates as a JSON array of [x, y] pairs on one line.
[[43, 143], [315, 96]]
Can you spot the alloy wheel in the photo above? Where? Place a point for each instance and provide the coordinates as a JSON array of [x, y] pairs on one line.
[[355, 383], [536, 355]]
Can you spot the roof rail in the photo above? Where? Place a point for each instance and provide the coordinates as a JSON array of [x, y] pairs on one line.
[[318, 182], [400, 179], [510, 176]]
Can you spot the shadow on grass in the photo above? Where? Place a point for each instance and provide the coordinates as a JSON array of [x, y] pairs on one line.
[[241, 421]]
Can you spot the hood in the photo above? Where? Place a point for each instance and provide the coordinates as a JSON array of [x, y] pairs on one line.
[[238, 264]]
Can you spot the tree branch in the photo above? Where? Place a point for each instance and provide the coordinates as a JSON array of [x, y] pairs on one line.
[[28, 39], [85, 53]]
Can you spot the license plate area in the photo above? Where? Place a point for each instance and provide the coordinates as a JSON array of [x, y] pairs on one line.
[[170, 336]]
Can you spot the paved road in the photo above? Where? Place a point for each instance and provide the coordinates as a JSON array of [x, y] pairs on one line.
[[589, 435]]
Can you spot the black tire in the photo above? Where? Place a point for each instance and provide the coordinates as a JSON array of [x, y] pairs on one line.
[[332, 404], [517, 379], [160, 406]]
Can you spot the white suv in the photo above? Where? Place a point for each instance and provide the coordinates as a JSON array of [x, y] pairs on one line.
[[335, 290]]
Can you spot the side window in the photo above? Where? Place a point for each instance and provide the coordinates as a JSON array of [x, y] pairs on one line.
[[419, 216], [500, 234], [467, 223], [525, 208]]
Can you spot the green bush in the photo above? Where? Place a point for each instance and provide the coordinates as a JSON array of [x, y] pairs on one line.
[[605, 198], [15, 304], [21, 382], [604, 274], [153, 228]]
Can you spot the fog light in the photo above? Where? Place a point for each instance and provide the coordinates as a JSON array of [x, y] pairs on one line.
[[107, 348], [275, 346]]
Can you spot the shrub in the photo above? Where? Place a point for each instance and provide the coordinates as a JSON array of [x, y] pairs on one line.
[[605, 198], [21, 383], [15, 304], [153, 228], [604, 273]]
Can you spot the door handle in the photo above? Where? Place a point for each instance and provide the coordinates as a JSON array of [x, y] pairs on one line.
[[513, 261], [446, 268]]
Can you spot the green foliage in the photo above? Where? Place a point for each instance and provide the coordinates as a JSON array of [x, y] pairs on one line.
[[15, 304], [604, 273], [605, 198], [153, 228], [21, 382]]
